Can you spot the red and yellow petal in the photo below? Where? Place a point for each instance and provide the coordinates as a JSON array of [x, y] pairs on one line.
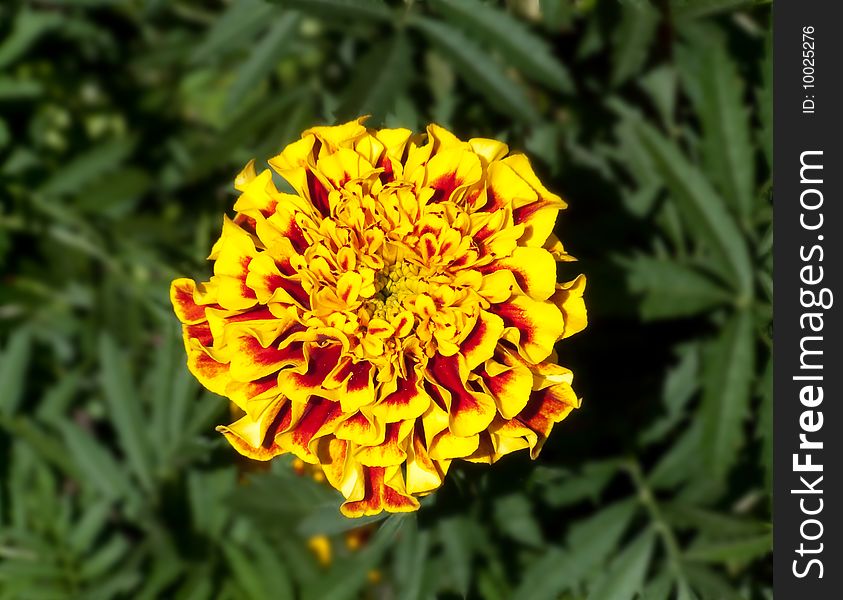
[[534, 326], [183, 294], [299, 384], [424, 474], [569, 299], [533, 269], [469, 411], [407, 401], [391, 451], [320, 418], [255, 438], [482, 340], [382, 490], [509, 384], [546, 408]]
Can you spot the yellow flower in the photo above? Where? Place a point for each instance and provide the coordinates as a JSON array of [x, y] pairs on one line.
[[396, 311]]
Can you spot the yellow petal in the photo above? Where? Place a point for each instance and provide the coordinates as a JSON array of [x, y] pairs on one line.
[[481, 342], [534, 271], [534, 326], [569, 299]]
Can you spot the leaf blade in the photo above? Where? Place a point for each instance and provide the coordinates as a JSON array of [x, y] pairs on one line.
[[726, 392], [340, 9], [124, 408], [15, 361], [716, 90], [478, 69], [516, 42], [702, 206]]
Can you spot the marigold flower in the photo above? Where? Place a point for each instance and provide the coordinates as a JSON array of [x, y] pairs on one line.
[[398, 311]]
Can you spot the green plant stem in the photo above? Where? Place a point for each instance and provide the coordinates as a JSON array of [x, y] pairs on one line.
[[660, 525]]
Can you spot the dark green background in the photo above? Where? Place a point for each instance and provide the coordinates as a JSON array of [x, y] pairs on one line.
[[122, 125]]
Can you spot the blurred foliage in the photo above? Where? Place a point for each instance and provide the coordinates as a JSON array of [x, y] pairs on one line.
[[122, 124]]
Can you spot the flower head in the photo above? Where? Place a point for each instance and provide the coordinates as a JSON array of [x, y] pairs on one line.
[[396, 311]]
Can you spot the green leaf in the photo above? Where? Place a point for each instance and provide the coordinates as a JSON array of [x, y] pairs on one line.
[[728, 373], [241, 130], [5, 137], [14, 365], [282, 495], [341, 9], [105, 558], [589, 544], [681, 462], [557, 14], [713, 525], [692, 9], [263, 59], [625, 576], [593, 539], [95, 463], [382, 75], [671, 289], [765, 103], [411, 556], [57, 398], [739, 550], [87, 167], [345, 579], [27, 27], [245, 573], [632, 40], [661, 84], [711, 584], [702, 207], [515, 42], [455, 534], [19, 89], [207, 491], [680, 384], [275, 573], [327, 520], [568, 489], [236, 28], [124, 408], [43, 443], [479, 69], [717, 91], [90, 526], [660, 587], [546, 577], [765, 423], [115, 194], [514, 517]]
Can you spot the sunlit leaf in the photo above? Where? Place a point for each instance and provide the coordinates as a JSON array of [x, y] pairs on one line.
[[479, 69], [632, 40], [728, 372], [276, 42], [701, 206], [382, 76], [234, 29], [87, 167], [27, 27], [515, 42], [125, 409], [672, 290], [340, 9], [14, 364], [717, 91], [625, 577]]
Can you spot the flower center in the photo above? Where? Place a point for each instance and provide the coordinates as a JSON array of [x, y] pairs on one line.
[[396, 284]]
